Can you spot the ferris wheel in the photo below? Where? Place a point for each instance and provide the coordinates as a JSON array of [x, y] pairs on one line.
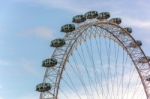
[[96, 59]]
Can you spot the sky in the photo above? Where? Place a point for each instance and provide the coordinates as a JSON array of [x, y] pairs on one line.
[[28, 26]]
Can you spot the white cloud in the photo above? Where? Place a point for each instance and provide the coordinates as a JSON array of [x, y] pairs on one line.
[[147, 40], [29, 96], [1, 97], [1, 86], [62, 4], [1, 29], [4, 62], [73, 5], [40, 32], [69, 5], [29, 67], [143, 24]]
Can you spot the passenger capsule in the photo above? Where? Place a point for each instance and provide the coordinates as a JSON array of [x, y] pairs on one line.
[[49, 62], [57, 43], [144, 59], [115, 20], [103, 15], [135, 45], [68, 28], [128, 29], [43, 87], [78, 19], [148, 79], [91, 14]]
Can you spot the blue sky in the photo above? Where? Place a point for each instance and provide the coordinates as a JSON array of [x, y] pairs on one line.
[[28, 26]]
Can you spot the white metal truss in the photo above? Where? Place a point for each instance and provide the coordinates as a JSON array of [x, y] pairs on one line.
[[80, 35]]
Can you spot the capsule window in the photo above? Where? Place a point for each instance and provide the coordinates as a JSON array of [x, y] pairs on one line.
[[148, 79], [115, 20], [58, 43], [135, 44], [78, 19], [103, 15], [91, 14], [68, 28]]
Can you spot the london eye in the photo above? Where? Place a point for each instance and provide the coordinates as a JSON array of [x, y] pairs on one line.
[[97, 58]]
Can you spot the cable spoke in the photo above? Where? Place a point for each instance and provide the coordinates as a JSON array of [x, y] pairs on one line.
[[98, 67]]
